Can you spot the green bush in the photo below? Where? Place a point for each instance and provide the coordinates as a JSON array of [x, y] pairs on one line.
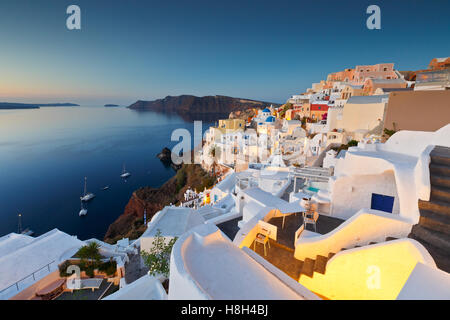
[[181, 179], [157, 259], [63, 268], [108, 267]]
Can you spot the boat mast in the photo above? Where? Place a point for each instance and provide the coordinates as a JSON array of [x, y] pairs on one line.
[[19, 226], [85, 189]]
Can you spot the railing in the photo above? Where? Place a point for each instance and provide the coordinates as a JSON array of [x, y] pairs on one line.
[[31, 274], [313, 174]]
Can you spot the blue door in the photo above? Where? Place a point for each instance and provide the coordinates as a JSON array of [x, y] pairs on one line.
[[382, 202]]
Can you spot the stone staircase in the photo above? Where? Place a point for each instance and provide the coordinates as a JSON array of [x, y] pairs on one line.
[[310, 266], [433, 229]]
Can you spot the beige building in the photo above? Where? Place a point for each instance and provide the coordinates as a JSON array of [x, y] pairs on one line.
[[232, 125], [370, 85], [364, 115], [418, 110], [335, 118]]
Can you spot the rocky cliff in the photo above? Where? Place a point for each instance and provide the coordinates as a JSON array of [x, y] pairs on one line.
[[130, 223], [190, 105]]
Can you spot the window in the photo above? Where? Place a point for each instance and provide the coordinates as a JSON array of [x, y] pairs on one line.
[[382, 202]]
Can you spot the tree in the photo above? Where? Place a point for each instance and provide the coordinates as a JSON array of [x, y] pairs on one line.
[[157, 259], [90, 253]]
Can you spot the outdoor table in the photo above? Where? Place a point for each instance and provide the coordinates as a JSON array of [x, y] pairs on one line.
[[289, 208]]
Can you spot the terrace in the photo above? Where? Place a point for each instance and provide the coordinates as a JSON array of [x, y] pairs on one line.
[[105, 289], [281, 251]]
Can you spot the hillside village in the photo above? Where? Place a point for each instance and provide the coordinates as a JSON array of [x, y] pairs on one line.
[[343, 192]]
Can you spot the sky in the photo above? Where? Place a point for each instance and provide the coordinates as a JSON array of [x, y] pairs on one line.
[[148, 49]]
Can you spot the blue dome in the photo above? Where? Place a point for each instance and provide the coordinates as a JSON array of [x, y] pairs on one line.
[[266, 110], [270, 119]]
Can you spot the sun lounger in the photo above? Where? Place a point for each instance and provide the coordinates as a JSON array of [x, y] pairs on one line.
[[79, 284]]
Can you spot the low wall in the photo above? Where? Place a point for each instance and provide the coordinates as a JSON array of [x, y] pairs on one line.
[[364, 227], [29, 292], [373, 272]]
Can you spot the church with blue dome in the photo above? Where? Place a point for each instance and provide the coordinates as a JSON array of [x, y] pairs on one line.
[[265, 116]]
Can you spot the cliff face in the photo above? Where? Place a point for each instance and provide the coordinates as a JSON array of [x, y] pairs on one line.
[[130, 223], [187, 104], [244, 114]]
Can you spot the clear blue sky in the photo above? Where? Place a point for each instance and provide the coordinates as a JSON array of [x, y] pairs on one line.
[[129, 50]]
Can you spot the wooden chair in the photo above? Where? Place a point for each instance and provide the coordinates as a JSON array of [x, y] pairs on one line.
[[263, 238], [311, 218]]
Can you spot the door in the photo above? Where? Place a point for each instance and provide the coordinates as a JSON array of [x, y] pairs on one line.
[[382, 202]]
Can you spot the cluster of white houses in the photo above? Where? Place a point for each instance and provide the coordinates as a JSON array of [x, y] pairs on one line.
[[292, 218]]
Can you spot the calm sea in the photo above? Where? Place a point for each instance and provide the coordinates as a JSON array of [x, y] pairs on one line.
[[46, 153]]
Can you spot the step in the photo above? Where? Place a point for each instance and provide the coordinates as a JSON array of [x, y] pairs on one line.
[[439, 170], [372, 243], [435, 206], [390, 238], [282, 246], [321, 264], [440, 257], [308, 267], [300, 266], [440, 181], [444, 161], [440, 194], [331, 255], [435, 221], [434, 238], [440, 155]]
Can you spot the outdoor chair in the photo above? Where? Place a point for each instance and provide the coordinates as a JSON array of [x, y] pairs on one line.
[[263, 238], [311, 219]]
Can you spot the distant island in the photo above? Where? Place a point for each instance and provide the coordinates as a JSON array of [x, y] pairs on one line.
[[13, 105], [207, 106], [111, 105]]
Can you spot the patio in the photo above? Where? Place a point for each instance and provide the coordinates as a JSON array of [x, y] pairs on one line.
[[281, 252], [285, 236], [106, 288]]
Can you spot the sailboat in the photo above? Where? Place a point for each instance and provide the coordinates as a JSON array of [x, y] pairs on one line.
[[86, 195], [83, 210], [125, 174]]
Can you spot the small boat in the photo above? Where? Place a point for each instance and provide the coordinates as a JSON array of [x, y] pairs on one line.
[[86, 195], [105, 188], [83, 210], [125, 174], [27, 232]]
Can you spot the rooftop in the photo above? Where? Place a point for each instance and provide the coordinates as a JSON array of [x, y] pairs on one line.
[[223, 271], [173, 221], [30, 256], [368, 99]]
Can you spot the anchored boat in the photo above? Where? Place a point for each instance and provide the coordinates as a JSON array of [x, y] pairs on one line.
[[125, 174], [83, 210], [86, 195]]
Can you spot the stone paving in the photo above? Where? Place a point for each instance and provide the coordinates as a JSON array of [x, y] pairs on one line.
[[134, 269]]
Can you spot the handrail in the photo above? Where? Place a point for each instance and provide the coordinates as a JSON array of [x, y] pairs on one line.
[[31, 274]]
